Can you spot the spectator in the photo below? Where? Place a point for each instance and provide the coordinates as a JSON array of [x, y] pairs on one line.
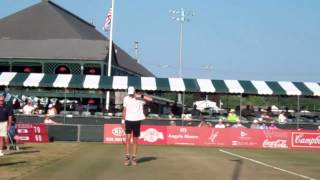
[[28, 108], [175, 109], [39, 109], [258, 114], [172, 123], [166, 109], [58, 106], [195, 113], [5, 122], [220, 124], [238, 124], [272, 125], [248, 112], [237, 110], [255, 124], [282, 118], [262, 125], [52, 110], [48, 120], [265, 115], [203, 123], [232, 117], [47, 107], [287, 113], [16, 104], [269, 112]]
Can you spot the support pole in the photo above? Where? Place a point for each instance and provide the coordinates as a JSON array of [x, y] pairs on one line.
[[110, 56]]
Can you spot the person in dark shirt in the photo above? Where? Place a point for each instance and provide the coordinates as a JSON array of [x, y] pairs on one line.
[[175, 109], [195, 113], [58, 106], [5, 122]]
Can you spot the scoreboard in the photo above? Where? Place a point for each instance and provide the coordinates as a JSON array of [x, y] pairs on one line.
[[32, 133]]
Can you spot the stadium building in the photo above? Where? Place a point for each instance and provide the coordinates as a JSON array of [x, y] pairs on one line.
[[46, 38]]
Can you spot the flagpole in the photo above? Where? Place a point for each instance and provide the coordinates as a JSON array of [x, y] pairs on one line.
[[110, 55]]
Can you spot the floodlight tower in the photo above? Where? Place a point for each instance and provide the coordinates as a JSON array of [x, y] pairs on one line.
[[181, 16]]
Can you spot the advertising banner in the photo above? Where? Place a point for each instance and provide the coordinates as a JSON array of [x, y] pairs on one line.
[[305, 139], [113, 134], [153, 135], [229, 137], [181, 135]]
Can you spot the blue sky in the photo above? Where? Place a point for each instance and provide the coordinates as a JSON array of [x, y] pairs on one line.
[[253, 40]]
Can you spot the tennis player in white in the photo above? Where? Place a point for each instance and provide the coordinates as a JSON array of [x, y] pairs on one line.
[[132, 116]]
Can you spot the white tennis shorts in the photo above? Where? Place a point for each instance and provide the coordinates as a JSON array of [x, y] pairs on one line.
[[3, 129]]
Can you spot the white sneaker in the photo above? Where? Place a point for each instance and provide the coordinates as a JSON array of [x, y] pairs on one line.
[[1, 154]]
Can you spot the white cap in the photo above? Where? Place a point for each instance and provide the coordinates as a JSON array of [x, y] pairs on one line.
[[131, 90]]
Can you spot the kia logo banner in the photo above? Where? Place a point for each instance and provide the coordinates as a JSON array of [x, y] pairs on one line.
[[207, 136]]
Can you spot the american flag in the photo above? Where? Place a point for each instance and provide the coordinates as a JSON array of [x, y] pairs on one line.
[[108, 20]]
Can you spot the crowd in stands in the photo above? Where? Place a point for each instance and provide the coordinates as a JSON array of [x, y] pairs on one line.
[[260, 118], [49, 110], [231, 118]]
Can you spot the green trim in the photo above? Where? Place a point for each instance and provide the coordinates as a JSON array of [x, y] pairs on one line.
[[48, 80], [220, 86], [163, 84], [134, 81], [105, 82], [303, 88], [76, 81], [248, 87], [59, 93], [276, 88], [26, 64], [191, 85], [18, 79]]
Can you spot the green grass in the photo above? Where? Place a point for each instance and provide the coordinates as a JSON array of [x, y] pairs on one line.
[[86, 161]]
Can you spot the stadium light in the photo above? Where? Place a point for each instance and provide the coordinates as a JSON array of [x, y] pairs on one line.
[[181, 16]]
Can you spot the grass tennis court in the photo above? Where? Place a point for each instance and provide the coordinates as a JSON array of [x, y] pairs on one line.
[[82, 161]]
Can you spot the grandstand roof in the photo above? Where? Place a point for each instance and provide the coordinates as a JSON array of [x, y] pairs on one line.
[[47, 31]]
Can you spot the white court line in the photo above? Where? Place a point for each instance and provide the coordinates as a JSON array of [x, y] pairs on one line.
[[267, 165]]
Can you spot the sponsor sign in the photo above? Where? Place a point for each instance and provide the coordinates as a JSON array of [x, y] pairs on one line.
[[153, 135], [279, 143], [305, 140], [181, 135], [229, 137], [114, 134]]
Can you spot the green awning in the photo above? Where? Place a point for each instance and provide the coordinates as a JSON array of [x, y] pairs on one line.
[[159, 84]]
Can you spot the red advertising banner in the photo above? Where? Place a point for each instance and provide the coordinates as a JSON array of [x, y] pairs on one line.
[[305, 139], [153, 135], [229, 137], [34, 133], [113, 134], [181, 135]]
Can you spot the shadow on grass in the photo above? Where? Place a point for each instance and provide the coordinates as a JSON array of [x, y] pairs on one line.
[[237, 169], [26, 147], [146, 159], [24, 152], [12, 163]]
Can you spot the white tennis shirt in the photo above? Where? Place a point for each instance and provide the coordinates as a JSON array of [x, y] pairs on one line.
[[134, 109]]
